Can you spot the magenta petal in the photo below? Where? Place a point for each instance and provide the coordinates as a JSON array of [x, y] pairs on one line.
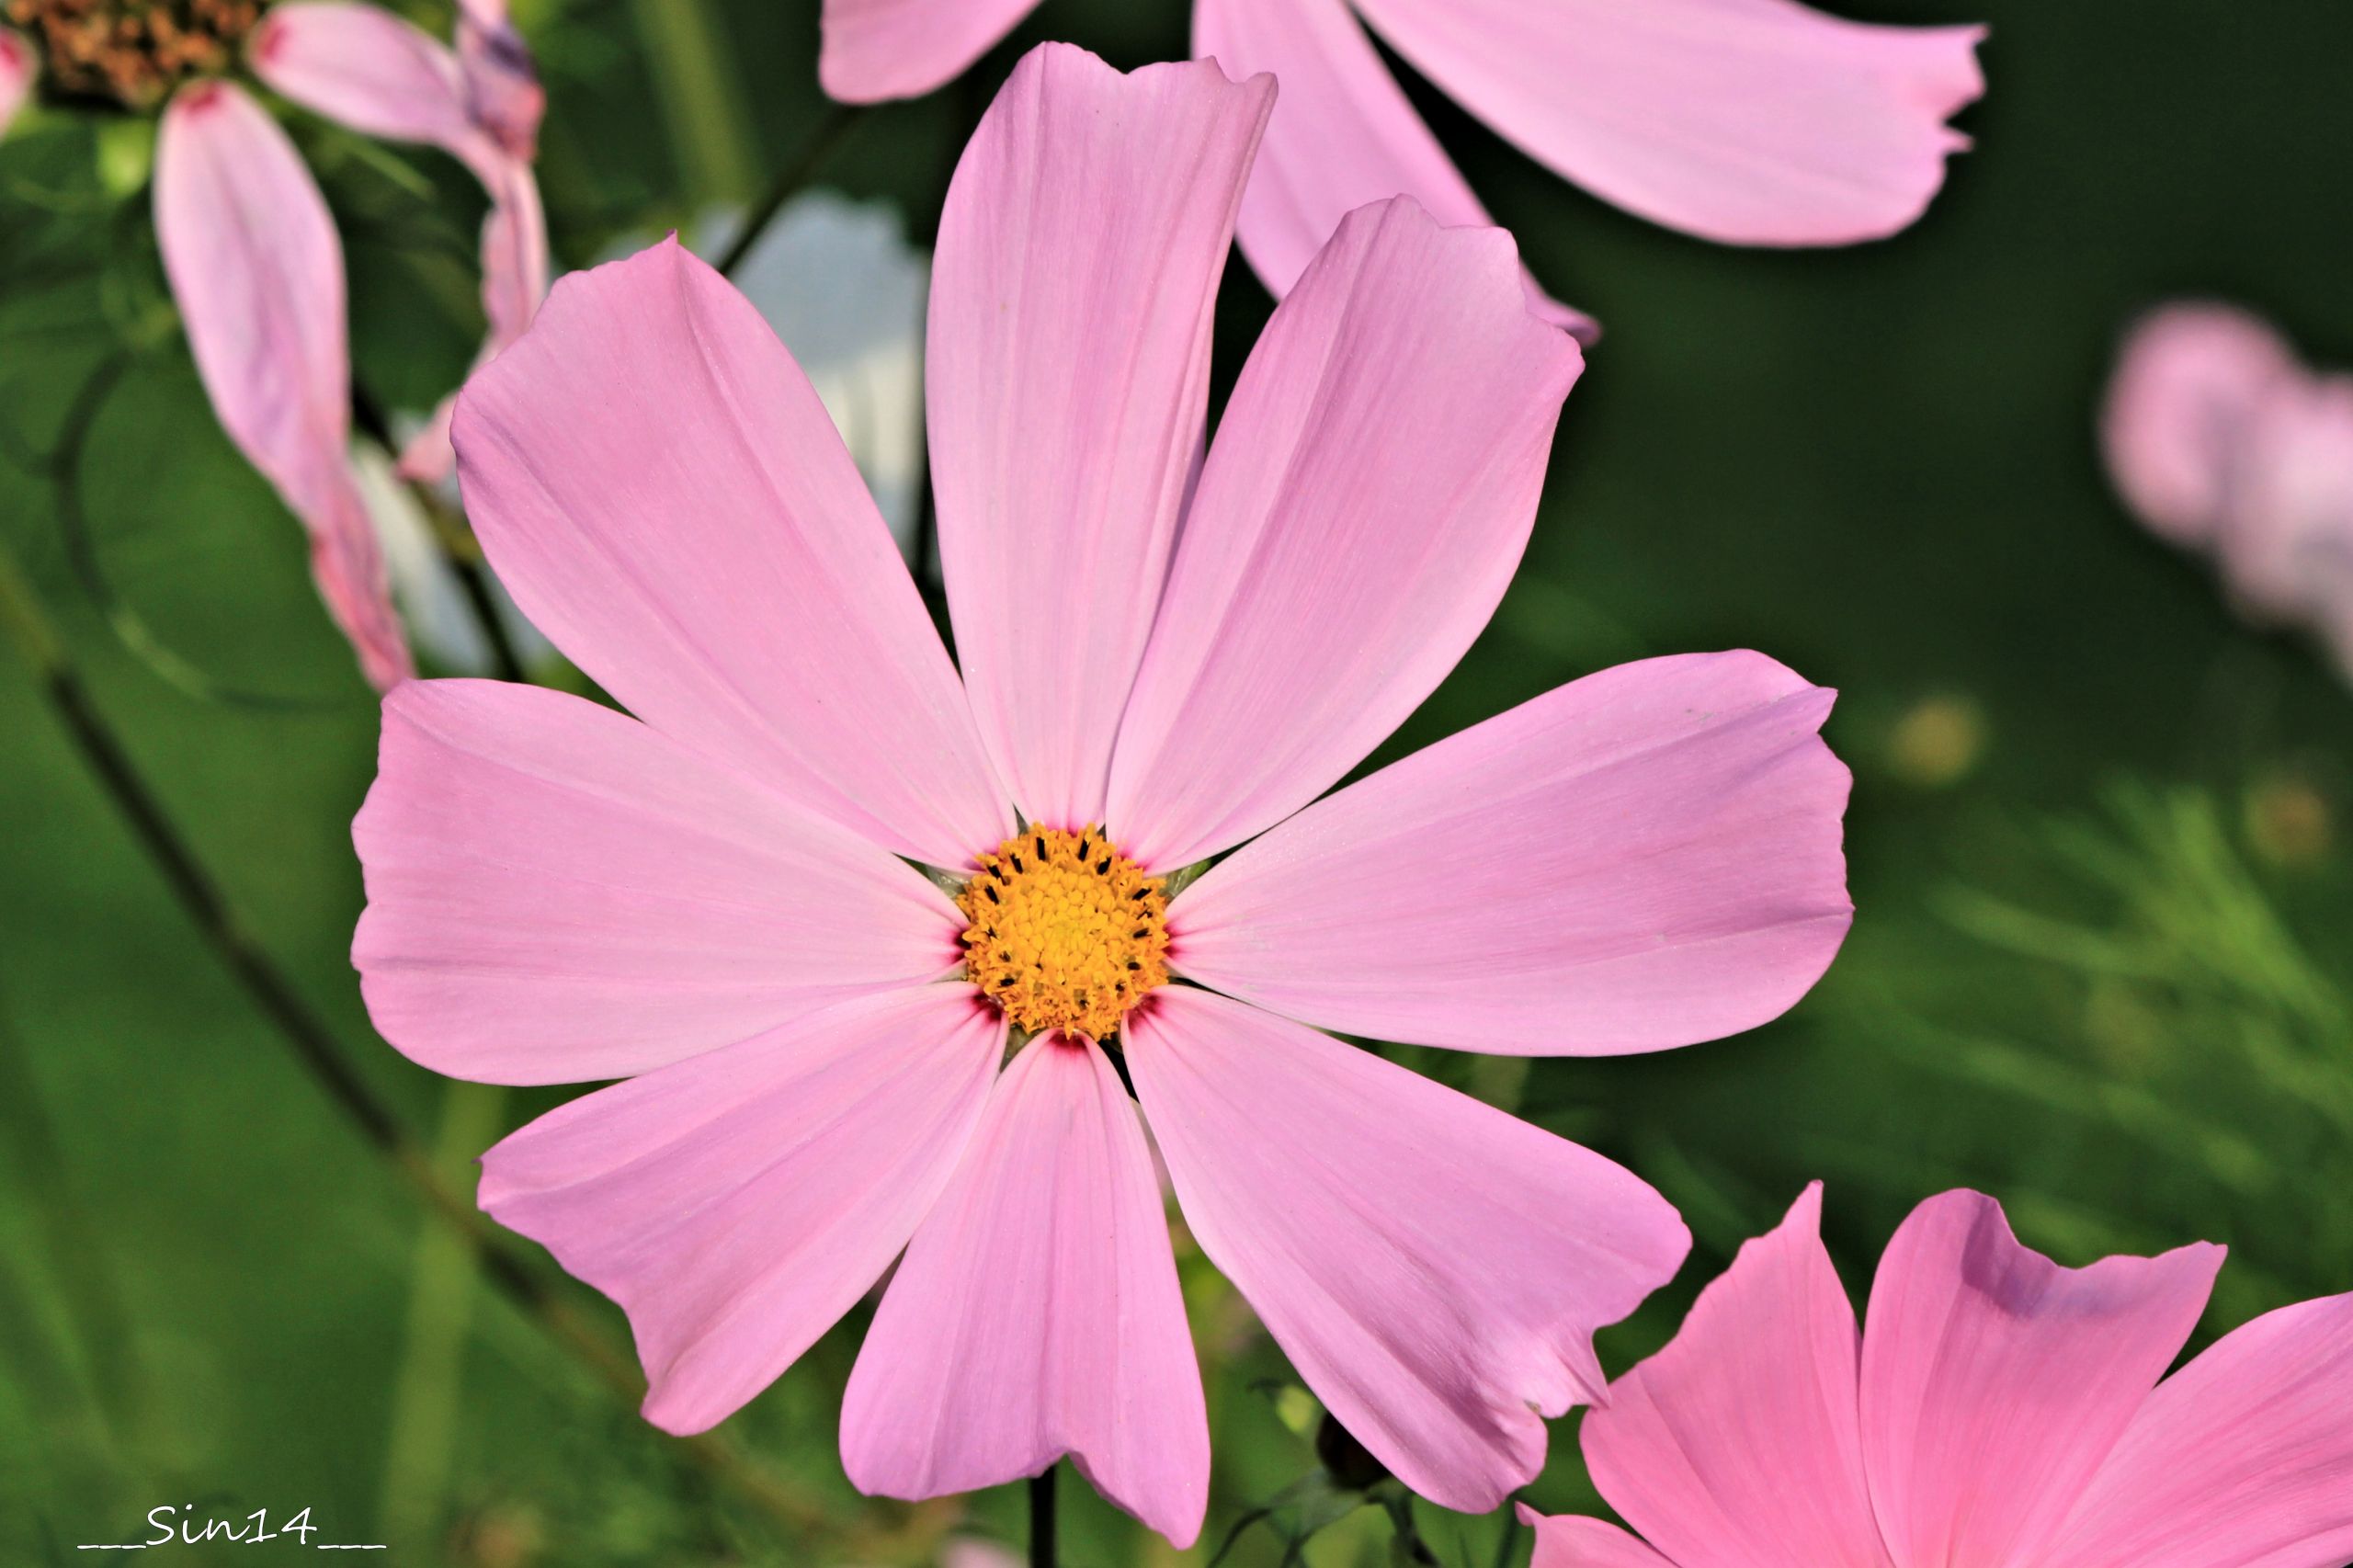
[[1370, 492], [1996, 1382], [2244, 1458], [1067, 379], [1037, 1313], [1748, 121], [16, 68], [2179, 412], [1568, 1541], [257, 270], [902, 49], [1741, 1442], [557, 893], [738, 1203], [666, 498], [1643, 858], [1435, 1269], [1343, 135]]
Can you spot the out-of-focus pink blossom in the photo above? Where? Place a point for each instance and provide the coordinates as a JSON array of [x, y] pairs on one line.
[[15, 75]]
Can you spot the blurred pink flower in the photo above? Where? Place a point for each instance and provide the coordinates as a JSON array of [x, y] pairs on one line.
[[1996, 1409], [1744, 122], [15, 75], [1166, 654]]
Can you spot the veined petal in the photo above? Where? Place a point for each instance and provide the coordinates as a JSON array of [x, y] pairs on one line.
[[2187, 387], [16, 69], [1747, 122], [1643, 858], [667, 500], [1067, 378], [1343, 135], [2244, 1458], [557, 893], [1435, 1269], [1369, 495], [1565, 1540], [903, 49], [1037, 1313], [257, 271], [1741, 1442], [737, 1203], [1996, 1382]]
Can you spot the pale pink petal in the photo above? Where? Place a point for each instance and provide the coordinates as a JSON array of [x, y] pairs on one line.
[[1370, 492], [1996, 1382], [367, 68], [1435, 1269], [2175, 423], [1565, 1540], [257, 270], [1037, 1313], [1748, 121], [558, 893], [656, 483], [1068, 378], [16, 72], [2286, 540], [2244, 1458], [903, 49], [1342, 135], [501, 83], [1643, 858], [514, 270], [739, 1202], [1741, 1442]]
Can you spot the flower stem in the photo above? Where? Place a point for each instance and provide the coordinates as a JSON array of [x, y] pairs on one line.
[[790, 181], [1041, 1517]]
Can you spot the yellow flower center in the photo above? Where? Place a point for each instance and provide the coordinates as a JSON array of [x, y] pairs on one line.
[[1066, 933]]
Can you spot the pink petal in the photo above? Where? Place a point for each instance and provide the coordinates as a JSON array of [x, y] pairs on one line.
[[1741, 1442], [1435, 1269], [514, 270], [2286, 539], [1748, 121], [1067, 379], [666, 498], [1342, 135], [367, 68], [1995, 1381], [903, 49], [1371, 490], [501, 83], [2244, 1458], [16, 71], [1643, 858], [1037, 1313], [1566, 1541], [558, 893], [738, 1203], [257, 270], [2189, 380]]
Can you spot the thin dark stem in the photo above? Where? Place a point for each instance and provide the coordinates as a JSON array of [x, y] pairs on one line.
[[789, 183], [1042, 1518]]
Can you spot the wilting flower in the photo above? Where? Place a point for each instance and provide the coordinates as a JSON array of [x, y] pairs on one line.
[[1165, 655], [249, 245], [2220, 440], [1997, 1411], [1744, 122]]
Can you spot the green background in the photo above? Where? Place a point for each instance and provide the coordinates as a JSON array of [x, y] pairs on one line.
[[2097, 840]]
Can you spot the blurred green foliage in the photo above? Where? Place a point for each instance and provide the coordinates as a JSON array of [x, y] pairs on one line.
[[2097, 835]]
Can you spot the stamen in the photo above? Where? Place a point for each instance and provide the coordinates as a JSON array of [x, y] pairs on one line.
[[133, 52], [1077, 936]]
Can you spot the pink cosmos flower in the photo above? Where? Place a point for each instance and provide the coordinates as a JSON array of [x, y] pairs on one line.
[[1997, 1411], [251, 250], [1744, 121], [1166, 654]]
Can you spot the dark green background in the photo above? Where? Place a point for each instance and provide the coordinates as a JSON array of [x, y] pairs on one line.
[[2085, 975]]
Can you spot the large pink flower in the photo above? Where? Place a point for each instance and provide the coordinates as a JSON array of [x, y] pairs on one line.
[[1747, 122], [1163, 655], [1997, 1411]]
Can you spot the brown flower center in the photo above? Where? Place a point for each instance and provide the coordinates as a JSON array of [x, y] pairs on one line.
[[133, 52]]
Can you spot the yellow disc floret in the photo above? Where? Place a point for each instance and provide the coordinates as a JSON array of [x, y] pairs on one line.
[[1066, 933]]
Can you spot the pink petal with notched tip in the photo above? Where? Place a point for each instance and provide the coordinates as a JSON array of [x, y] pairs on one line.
[[1434, 1267], [665, 496], [2244, 1458], [902, 49], [2179, 412], [1745, 121], [557, 893], [1996, 1382], [256, 268], [1037, 1313], [1568, 1541], [1643, 858], [1067, 379], [1368, 496], [17, 73], [1342, 135], [739, 1202], [1741, 1442]]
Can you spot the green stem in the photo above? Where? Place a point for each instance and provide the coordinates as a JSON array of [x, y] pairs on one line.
[[790, 181]]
